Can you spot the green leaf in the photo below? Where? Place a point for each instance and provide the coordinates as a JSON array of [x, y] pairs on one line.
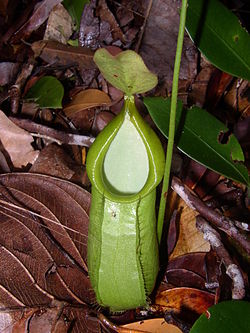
[[75, 8], [125, 71], [197, 135], [224, 317], [47, 93], [219, 36]]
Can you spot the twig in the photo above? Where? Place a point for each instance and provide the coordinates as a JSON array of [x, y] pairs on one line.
[[217, 219], [138, 44], [106, 323], [46, 137], [232, 270], [53, 134], [15, 90]]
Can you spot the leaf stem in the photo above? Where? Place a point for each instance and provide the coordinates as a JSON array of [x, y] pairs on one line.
[[171, 134]]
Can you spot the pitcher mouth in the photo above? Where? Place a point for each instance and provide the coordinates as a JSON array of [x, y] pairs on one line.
[[130, 159]]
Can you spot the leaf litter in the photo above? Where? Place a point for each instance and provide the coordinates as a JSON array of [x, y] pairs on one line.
[[44, 220]]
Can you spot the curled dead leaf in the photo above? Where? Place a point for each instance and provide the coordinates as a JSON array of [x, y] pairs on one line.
[[87, 99], [16, 143], [192, 299]]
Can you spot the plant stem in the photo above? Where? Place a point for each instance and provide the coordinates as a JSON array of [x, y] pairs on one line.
[[171, 134]]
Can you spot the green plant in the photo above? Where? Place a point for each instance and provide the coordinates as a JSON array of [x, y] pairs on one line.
[[122, 241], [47, 92]]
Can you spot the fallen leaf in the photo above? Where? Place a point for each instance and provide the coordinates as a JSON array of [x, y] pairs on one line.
[[17, 143], [200, 84], [86, 99], [195, 262], [190, 239], [101, 120], [56, 53], [207, 183], [54, 161], [157, 325], [4, 167], [8, 71], [217, 87], [44, 226], [172, 233], [159, 42], [181, 277], [15, 321], [60, 318], [214, 276], [178, 299], [193, 173], [38, 17], [48, 320], [83, 319], [237, 98], [106, 15], [187, 271], [60, 25], [125, 15], [200, 179]]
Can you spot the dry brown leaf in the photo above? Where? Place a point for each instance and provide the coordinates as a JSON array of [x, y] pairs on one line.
[[48, 320], [8, 71], [157, 325], [178, 299], [237, 97], [57, 319], [4, 167], [198, 92], [38, 17], [84, 320], [59, 54], [43, 241], [101, 120], [17, 143], [54, 161], [15, 321], [60, 25], [187, 271], [106, 16], [158, 49], [190, 239], [87, 99]]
